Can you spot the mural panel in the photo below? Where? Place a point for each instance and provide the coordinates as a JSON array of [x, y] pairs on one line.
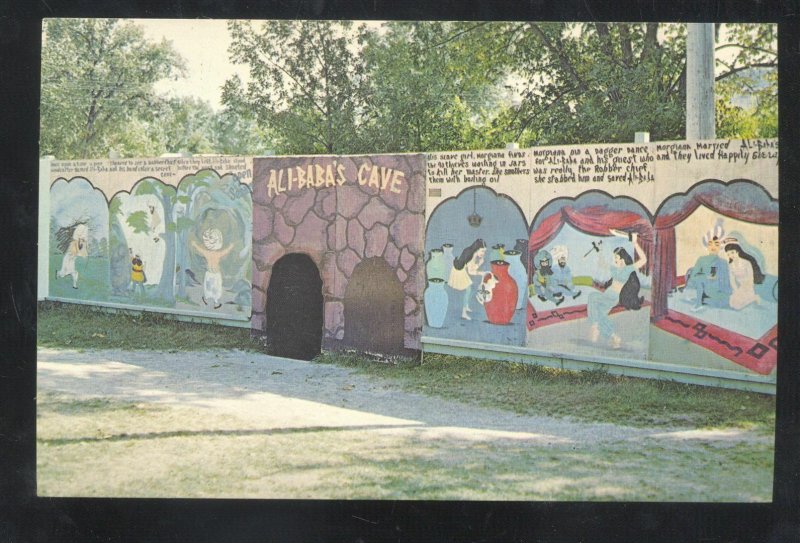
[[143, 241], [719, 276], [472, 248], [590, 280], [476, 246], [142, 245], [662, 251], [79, 257], [213, 222]]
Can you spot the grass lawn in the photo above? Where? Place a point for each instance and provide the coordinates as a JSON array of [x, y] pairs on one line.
[[593, 396], [85, 327], [98, 447], [679, 442]]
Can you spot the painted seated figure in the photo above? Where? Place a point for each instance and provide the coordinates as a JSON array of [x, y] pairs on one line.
[[709, 277], [745, 273], [544, 284], [562, 274]]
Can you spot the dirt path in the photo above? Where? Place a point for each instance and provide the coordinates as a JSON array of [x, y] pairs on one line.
[[279, 397]]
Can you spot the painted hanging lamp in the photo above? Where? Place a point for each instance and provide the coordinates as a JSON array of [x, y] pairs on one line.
[[474, 219]]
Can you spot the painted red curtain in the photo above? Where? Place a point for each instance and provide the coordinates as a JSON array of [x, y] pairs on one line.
[[716, 197], [596, 221]]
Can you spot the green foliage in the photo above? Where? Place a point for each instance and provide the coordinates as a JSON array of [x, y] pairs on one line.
[[183, 223], [432, 86], [594, 82], [426, 92], [306, 82], [146, 186], [335, 87], [747, 82], [98, 77], [187, 126], [139, 221], [236, 132], [115, 207]]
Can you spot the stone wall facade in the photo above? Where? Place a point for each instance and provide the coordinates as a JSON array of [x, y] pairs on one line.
[[340, 210]]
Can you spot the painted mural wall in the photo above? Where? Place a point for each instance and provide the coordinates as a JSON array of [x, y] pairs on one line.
[[169, 233], [661, 251], [665, 252], [352, 227]]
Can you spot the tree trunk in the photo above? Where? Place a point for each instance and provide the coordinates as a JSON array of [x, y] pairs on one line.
[[166, 287]]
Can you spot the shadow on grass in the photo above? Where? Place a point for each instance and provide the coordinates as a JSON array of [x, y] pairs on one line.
[[218, 433]]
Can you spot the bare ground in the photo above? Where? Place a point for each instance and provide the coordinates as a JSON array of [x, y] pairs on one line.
[[240, 424]]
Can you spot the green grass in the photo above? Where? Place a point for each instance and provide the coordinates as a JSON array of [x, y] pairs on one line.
[[592, 396], [523, 388], [171, 451], [92, 282], [62, 325]]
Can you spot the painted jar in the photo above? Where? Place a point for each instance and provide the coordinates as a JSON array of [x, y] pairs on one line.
[[517, 272], [522, 247], [435, 299], [447, 249], [500, 309], [497, 252], [436, 266]]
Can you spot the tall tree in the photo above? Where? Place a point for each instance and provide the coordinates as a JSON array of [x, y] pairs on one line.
[[426, 91], [97, 77], [306, 82], [747, 80], [238, 133], [189, 124], [595, 82], [602, 82]]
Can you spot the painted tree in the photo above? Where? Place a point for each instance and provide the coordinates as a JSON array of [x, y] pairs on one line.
[[229, 199], [183, 224], [98, 78], [167, 196], [306, 82]]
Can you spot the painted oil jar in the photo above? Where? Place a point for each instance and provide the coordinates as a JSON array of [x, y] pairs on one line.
[[497, 252], [522, 247], [435, 298], [436, 267], [447, 249], [500, 309], [517, 272]]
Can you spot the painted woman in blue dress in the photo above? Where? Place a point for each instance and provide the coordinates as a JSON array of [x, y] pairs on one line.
[[623, 277]]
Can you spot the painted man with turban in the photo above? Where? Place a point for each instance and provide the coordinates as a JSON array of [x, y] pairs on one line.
[[544, 285], [709, 277], [562, 274]]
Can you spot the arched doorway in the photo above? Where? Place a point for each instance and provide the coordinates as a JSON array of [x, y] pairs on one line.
[[373, 308], [294, 308]]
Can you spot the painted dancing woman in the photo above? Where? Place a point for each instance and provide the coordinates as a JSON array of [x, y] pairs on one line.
[[623, 277]]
